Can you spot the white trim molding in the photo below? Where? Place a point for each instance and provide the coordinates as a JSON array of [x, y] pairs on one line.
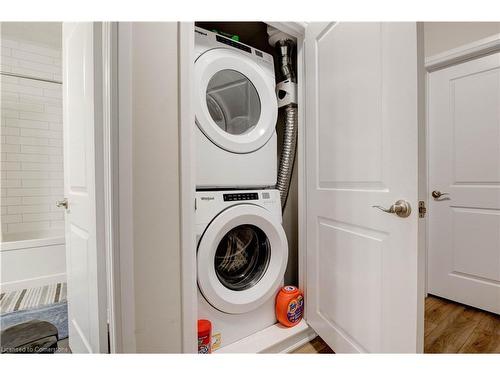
[[463, 53], [125, 235], [187, 188], [110, 156]]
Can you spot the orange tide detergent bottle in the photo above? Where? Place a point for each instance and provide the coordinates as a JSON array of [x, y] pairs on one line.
[[289, 306]]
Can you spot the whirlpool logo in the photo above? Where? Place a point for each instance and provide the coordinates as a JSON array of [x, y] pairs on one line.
[[207, 198]]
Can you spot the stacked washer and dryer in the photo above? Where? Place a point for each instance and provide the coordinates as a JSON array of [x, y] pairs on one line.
[[242, 250]]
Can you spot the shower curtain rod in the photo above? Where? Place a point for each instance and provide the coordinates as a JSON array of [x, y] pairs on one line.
[[30, 77]]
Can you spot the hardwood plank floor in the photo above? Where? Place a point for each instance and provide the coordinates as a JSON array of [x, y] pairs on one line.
[[451, 327], [315, 346], [63, 346]]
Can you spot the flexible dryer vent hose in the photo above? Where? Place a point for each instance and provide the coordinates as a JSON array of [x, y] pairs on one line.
[[287, 157], [284, 48]]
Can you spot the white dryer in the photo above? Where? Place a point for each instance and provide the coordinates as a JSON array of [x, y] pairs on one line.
[[242, 256], [236, 110]]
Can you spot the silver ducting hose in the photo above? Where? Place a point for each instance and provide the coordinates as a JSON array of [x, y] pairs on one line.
[[284, 49], [287, 157]]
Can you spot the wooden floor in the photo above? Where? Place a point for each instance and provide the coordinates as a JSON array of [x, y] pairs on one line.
[[63, 346], [451, 327], [315, 346]]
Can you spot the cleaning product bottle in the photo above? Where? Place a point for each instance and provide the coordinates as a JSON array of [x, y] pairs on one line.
[[289, 306], [204, 336]]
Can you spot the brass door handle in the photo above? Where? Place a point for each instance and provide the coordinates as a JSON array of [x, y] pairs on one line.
[[437, 194], [63, 203], [401, 208]]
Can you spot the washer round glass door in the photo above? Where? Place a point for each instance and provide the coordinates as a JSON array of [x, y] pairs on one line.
[[236, 105], [242, 258]]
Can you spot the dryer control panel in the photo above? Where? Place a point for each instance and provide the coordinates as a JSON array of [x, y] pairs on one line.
[[206, 40], [234, 44]]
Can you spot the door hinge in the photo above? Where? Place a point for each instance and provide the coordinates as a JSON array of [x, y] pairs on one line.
[[422, 210]]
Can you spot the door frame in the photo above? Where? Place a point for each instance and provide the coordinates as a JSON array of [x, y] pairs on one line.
[[187, 146], [109, 171], [106, 169], [107, 163], [443, 60]]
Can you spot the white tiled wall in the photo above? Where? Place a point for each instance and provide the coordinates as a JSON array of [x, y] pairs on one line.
[[31, 139]]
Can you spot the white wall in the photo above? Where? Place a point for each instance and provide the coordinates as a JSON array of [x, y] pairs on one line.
[[31, 139], [48, 34], [155, 187], [442, 36]]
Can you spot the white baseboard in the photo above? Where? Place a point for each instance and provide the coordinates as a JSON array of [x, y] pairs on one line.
[[297, 341], [33, 283], [275, 339]]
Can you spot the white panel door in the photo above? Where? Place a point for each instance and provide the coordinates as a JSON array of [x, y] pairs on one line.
[[363, 285], [464, 163], [84, 245]]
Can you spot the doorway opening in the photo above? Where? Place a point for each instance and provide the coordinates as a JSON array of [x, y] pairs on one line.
[[33, 245], [463, 189]]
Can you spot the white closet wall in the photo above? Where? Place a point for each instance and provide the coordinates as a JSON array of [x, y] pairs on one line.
[[443, 36], [154, 74]]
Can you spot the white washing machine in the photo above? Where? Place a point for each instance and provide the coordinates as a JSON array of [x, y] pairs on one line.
[[236, 110], [241, 258]]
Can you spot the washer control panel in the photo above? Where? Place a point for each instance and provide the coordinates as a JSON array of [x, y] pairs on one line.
[[210, 203], [240, 197]]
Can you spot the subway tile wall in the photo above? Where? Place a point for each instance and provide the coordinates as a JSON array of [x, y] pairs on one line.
[[31, 139]]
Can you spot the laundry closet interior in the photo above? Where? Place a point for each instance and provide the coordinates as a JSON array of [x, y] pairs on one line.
[[245, 99]]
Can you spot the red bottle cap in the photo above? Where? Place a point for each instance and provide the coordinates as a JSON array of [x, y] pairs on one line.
[[204, 325]]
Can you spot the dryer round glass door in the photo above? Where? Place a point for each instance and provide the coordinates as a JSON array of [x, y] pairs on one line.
[[235, 105], [242, 258], [233, 102]]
